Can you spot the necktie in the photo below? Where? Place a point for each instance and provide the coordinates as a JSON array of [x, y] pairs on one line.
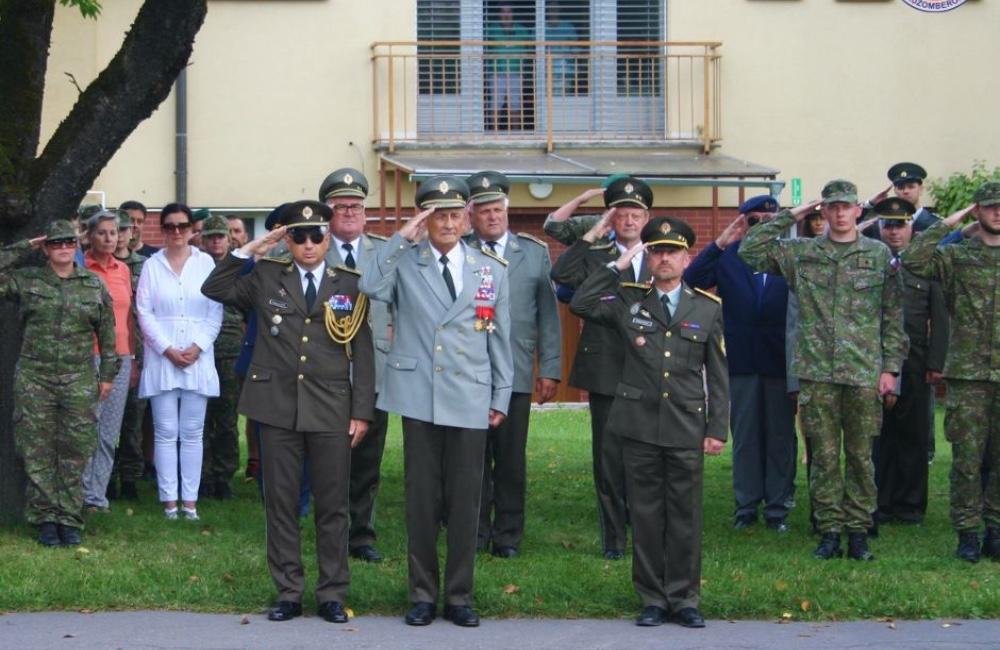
[[349, 258], [493, 246], [446, 274], [667, 306], [310, 291]]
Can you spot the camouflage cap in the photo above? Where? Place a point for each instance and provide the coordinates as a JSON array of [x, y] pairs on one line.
[[60, 229], [987, 194], [667, 231], [346, 181], [215, 225], [840, 191]]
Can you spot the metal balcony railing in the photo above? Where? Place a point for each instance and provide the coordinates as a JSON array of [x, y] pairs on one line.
[[546, 92]]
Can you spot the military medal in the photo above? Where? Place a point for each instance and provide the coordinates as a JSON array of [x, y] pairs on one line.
[[634, 309], [640, 341], [276, 319], [274, 330], [485, 301]]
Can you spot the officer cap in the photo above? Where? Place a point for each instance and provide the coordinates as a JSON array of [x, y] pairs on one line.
[[215, 225], [60, 229], [628, 190], [762, 203], [305, 214], [346, 181], [987, 194], [840, 191], [487, 186], [667, 231], [443, 192], [271, 221], [906, 172], [200, 214], [894, 210]]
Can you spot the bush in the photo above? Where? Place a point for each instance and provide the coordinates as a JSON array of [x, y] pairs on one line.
[[955, 192]]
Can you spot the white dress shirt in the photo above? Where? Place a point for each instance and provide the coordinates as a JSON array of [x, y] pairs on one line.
[[317, 276], [501, 245], [456, 265], [355, 249], [636, 261]]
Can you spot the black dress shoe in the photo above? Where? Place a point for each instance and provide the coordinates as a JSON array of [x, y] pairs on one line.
[[284, 610], [421, 614], [129, 491], [777, 524], [222, 491], [651, 616], [69, 535], [613, 555], [461, 615], [744, 521], [366, 553], [505, 551], [688, 617], [332, 612], [48, 535]]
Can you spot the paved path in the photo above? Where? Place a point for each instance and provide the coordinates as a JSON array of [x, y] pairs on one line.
[[173, 630]]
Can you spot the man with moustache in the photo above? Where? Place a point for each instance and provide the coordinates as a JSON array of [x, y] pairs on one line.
[[598, 362], [670, 409], [969, 272], [849, 350], [535, 330], [237, 231]]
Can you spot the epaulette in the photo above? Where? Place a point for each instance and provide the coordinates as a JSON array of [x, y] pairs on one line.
[[529, 237], [347, 269], [711, 296], [635, 285], [372, 235], [279, 260], [488, 253]]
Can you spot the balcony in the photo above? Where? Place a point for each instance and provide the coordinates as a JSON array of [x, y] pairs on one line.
[[546, 94]]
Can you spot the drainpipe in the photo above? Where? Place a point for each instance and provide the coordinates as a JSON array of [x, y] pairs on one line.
[[180, 137]]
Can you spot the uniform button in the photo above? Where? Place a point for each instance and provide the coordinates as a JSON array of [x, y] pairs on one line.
[[666, 374], [308, 320], [667, 353], [666, 395], [253, 376], [305, 339], [438, 347], [669, 335], [438, 369], [699, 409], [302, 358], [301, 377]]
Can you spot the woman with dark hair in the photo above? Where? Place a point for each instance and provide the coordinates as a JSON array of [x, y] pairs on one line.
[[179, 327]]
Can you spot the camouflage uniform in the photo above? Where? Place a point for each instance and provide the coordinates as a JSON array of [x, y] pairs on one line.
[[850, 331], [221, 437], [969, 272], [129, 459], [55, 387]]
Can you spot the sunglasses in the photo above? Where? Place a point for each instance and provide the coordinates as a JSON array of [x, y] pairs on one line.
[[315, 235], [60, 243], [176, 227]]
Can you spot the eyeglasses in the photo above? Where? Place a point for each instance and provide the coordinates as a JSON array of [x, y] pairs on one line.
[[60, 243], [355, 208], [315, 235], [175, 227]]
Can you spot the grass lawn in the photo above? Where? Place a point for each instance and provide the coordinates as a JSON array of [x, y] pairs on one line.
[[133, 558]]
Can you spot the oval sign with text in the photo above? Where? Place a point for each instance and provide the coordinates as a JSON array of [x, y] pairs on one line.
[[935, 6]]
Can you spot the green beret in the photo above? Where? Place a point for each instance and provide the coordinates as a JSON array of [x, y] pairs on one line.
[[201, 214]]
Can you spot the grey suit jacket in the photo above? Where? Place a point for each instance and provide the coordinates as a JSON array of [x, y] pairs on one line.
[[379, 315], [440, 369], [534, 312]]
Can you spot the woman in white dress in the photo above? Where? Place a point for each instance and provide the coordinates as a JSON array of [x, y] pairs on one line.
[[179, 326]]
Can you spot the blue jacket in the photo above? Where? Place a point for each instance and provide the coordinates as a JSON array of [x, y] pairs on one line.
[[754, 326]]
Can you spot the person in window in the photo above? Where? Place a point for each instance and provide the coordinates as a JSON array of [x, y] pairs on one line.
[[504, 63], [179, 326], [564, 60]]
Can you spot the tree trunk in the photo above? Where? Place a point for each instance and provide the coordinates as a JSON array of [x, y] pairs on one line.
[[34, 191]]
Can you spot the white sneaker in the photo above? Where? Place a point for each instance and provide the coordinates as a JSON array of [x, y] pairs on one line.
[[191, 514], [170, 513]]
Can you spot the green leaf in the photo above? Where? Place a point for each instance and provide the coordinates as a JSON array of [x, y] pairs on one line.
[[88, 8]]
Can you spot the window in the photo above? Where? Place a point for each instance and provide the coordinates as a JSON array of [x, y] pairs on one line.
[[568, 21], [438, 65], [638, 66]]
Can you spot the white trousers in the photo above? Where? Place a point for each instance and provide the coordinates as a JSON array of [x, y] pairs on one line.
[[178, 415]]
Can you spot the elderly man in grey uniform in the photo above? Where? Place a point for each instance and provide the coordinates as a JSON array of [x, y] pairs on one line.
[[345, 190], [449, 374], [534, 320]]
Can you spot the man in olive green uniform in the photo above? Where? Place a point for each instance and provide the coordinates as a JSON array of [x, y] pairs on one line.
[[900, 453], [222, 436], [598, 362], [310, 387], [129, 459], [969, 272], [848, 352], [64, 309], [672, 342]]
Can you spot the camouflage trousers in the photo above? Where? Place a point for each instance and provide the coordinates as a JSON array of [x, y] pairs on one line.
[[55, 431], [222, 437], [835, 415], [129, 458], [972, 426]]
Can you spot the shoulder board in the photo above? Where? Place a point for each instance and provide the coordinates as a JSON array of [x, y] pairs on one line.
[[529, 237], [372, 235], [602, 247], [278, 260], [347, 269], [710, 296], [488, 253], [635, 285]]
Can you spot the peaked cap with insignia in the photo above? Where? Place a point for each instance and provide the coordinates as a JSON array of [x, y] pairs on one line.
[[488, 186], [442, 192], [346, 181], [906, 172], [667, 231], [628, 190], [894, 209], [304, 214]]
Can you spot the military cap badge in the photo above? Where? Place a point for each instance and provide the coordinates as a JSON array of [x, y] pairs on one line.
[[443, 187], [348, 179], [307, 212]]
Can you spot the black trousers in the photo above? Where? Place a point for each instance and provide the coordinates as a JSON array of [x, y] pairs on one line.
[[900, 452], [504, 477], [443, 468], [366, 470], [609, 476]]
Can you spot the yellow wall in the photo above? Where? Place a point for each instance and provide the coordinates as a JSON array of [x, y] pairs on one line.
[[816, 88]]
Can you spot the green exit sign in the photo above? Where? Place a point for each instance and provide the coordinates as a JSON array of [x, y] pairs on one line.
[[796, 192]]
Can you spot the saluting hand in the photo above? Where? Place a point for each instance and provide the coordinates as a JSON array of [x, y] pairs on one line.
[[37, 242], [956, 218], [733, 232], [601, 228], [800, 212], [625, 260], [881, 196], [262, 245], [357, 431], [416, 228]]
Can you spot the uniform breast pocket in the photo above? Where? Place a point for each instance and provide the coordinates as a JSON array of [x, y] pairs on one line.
[[640, 333], [401, 362], [694, 342], [868, 282]]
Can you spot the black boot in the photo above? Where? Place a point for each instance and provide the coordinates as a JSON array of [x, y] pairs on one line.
[[968, 546], [48, 534], [829, 547], [857, 547], [991, 543], [129, 491], [222, 491], [70, 535], [111, 493], [205, 490]]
